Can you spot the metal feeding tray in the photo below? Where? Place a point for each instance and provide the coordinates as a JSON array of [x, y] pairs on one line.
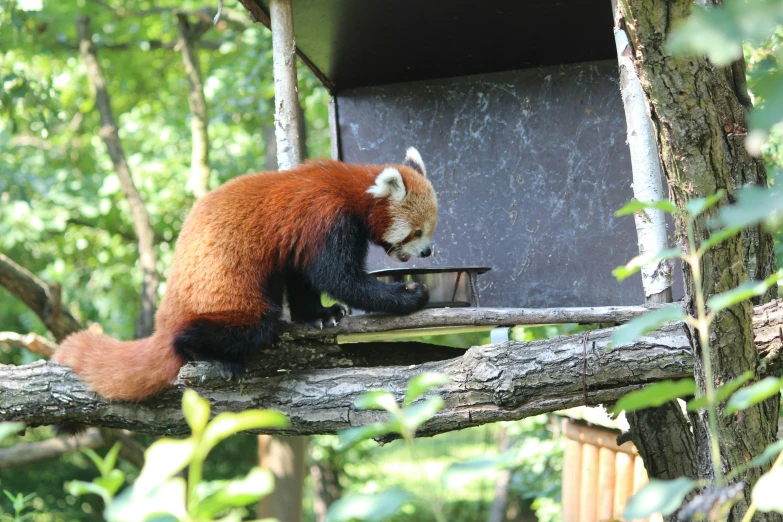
[[449, 286]]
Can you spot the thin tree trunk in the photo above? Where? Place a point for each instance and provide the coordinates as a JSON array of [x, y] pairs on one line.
[[285, 458], [691, 105], [662, 435], [141, 220], [189, 35], [324, 475]]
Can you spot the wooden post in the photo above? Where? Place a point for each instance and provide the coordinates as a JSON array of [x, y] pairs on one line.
[[606, 483], [572, 473], [287, 131], [588, 492], [623, 482]]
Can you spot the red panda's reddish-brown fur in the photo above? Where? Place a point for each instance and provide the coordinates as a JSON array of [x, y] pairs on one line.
[[234, 239]]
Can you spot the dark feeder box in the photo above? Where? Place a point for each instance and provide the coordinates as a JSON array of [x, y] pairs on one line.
[[517, 112]]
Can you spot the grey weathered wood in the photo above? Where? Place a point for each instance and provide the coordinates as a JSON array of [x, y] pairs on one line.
[[287, 131], [448, 317], [489, 383]]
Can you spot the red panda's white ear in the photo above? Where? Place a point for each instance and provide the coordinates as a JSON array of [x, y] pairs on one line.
[[413, 160], [388, 184]]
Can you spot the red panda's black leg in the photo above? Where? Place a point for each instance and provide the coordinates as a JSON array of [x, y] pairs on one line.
[[339, 271], [228, 346], [305, 303]]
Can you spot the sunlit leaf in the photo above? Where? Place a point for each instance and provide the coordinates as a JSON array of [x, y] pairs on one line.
[[422, 383], [112, 481], [166, 499], [659, 496], [79, 487], [417, 414], [640, 261], [110, 460], [698, 205], [753, 394], [769, 453], [722, 393], [162, 460], [646, 323], [375, 507], [767, 491], [237, 493], [377, 400], [742, 293], [635, 205], [754, 205], [227, 424], [719, 237], [196, 410], [351, 436], [10, 428], [711, 32], [655, 395]]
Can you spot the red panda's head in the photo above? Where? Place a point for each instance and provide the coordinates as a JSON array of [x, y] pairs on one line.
[[412, 208]]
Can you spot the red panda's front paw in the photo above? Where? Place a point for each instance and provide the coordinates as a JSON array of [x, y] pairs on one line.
[[416, 294], [231, 371], [329, 316]]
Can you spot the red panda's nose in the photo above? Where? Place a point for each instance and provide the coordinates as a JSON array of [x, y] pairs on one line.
[[426, 253]]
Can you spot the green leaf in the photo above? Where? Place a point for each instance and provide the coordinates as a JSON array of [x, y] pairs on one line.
[[646, 323], [696, 206], [110, 460], [377, 400], [417, 414], [767, 491], [10, 428], [659, 496], [111, 482], [237, 493], [166, 499], [769, 453], [722, 393], [196, 410], [635, 205], [655, 395], [422, 383], [754, 205], [162, 460], [719, 237], [753, 394], [227, 424], [741, 293], [640, 261], [374, 507], [78, 488], [352, 436], [711, 32]]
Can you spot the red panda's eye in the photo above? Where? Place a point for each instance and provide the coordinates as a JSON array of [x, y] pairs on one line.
[[418, 233]]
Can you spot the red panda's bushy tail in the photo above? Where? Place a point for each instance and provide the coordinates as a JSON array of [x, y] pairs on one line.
[[121, 370]]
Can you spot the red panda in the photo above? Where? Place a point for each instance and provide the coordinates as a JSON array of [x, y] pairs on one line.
[[301, 232]]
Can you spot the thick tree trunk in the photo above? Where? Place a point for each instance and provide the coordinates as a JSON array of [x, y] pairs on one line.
[[694, 107]]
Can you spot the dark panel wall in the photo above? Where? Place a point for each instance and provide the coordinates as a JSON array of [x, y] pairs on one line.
[[529, 167]]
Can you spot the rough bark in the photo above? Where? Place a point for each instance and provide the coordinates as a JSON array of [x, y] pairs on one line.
[[189, 35], [324, 476], [41, 298], [505, 381], [694, 107], [141, 220]]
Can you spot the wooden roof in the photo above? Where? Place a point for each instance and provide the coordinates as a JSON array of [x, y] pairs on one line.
[[354, 43]]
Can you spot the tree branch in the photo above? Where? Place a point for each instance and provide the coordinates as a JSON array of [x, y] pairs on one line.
[[505, 381], [32, 342], [38, 296], [189, 35], [141, 220]]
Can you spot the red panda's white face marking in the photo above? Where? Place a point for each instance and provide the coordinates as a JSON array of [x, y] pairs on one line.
[[413, 208]]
